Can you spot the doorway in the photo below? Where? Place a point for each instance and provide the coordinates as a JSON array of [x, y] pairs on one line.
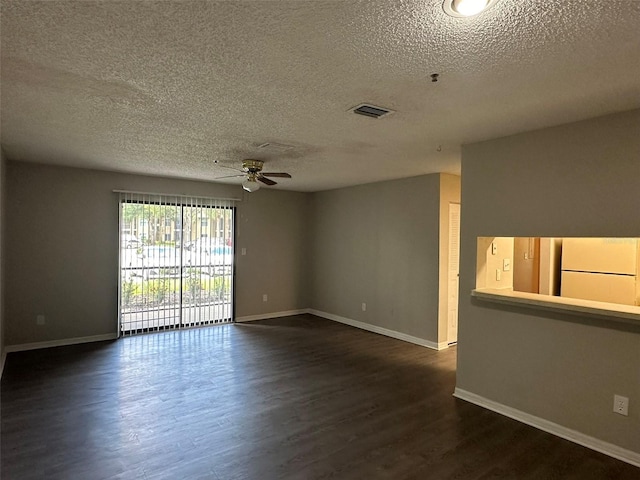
[[526, 264], [453, 273], [176, 263]]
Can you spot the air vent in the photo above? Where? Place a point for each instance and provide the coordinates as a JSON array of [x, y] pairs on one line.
[[371, 110]]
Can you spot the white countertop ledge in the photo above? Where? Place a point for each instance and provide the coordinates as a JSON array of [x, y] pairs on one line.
[[611, 311]]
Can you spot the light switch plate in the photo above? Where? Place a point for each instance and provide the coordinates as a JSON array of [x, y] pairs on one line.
[[506, 264]]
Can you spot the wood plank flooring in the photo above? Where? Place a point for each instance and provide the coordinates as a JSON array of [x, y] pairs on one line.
[[292, 398]]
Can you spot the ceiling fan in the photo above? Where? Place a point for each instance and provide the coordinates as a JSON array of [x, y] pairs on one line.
[[252, 169]]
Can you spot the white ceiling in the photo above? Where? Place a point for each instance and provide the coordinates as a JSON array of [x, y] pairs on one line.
[[168, 87]]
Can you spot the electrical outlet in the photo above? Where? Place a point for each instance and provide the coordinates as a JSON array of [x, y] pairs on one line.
[[498, 274], [40, 320], [243, 251], [621, 405], [265, 297], [364, 307]]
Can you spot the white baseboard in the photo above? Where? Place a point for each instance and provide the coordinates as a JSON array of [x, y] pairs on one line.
[[380, 330], [59, 343], [574, 436], [265, 316]]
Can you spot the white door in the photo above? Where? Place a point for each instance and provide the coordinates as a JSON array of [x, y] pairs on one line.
[[454, 271]]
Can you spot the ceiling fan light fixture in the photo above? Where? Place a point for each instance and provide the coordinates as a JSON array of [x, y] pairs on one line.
[[252, 171], [250, 185], [466, 8]]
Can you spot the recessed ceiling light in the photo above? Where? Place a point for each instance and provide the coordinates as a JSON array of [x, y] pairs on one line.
[[466, 8]]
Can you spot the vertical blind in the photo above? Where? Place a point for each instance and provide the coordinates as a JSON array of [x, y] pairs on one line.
[[176, 262]]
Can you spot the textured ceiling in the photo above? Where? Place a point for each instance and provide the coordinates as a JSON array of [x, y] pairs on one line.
[[168, 87]]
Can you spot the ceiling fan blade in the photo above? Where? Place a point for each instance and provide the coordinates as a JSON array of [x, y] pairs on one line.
[[230, 168], [266, 181], [231, 176], [277, 174]]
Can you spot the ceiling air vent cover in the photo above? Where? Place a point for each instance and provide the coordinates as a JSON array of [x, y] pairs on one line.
[[371, 110]]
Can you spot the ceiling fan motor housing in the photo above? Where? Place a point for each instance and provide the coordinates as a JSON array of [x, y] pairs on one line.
[[252, 166]]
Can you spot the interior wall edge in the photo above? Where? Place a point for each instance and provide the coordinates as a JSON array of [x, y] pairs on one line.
[[3, 216]]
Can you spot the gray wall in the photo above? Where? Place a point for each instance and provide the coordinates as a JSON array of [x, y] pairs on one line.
[[63, 243], [581, 179], [378, 244], [374, 243]]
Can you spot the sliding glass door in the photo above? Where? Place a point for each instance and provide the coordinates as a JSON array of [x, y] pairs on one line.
[[176, 262]]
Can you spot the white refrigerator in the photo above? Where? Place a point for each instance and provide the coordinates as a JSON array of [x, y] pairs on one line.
[[601, 269]]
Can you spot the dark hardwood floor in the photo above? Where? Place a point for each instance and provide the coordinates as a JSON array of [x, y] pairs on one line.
[[291, 398]]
